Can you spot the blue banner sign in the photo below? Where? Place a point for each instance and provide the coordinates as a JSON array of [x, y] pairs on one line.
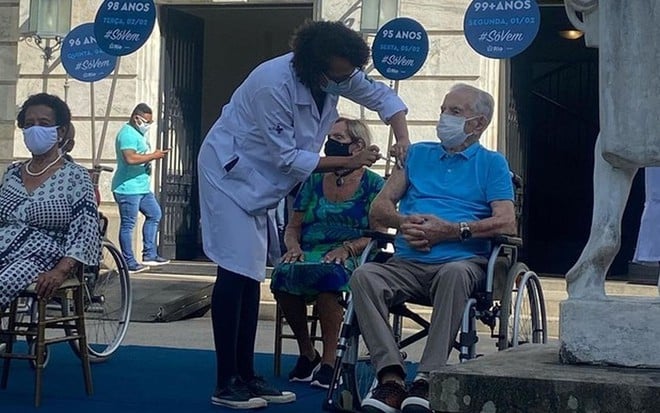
[[400, 48], [81, 56], [500, 29], [123, 26]]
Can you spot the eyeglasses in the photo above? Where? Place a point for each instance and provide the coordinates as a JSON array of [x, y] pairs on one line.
[[343, 78], [143, 120]]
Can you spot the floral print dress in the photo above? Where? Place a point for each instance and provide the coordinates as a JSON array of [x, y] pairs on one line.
[[326, 225], [58, 219]]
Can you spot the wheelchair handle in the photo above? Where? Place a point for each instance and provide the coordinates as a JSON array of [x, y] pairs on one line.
[[378, 236], [508, 240], [103, 168]]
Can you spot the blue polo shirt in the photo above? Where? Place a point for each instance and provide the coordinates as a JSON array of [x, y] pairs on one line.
[[454, 187]]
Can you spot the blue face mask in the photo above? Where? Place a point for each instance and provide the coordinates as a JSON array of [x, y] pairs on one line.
[[338, 88], [40, 139]]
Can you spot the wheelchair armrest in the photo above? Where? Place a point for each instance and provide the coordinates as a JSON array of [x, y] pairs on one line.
[[380, 237], [508, 240]]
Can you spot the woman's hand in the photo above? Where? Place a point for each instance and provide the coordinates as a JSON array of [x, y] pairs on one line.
[[337, 256], [399, 150], [48, 282], [293, 255], [365, 157]]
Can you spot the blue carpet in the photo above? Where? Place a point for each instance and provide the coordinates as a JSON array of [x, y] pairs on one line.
[[142, 380]]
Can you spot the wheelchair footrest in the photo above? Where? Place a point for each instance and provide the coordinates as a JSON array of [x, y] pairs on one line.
[[468, 339], [462, 357]]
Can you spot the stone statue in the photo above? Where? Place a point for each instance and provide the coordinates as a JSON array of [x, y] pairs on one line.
[[595, 328], [627, 33]]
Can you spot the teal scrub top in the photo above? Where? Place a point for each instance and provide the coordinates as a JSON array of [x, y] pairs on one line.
[[130, 179]]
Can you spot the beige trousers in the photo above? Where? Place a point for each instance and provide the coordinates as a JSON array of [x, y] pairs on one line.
[[377, 287]]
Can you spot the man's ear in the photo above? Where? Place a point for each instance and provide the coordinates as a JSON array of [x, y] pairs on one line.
[[482, 124]]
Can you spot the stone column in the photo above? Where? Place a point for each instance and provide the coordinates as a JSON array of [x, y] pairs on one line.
[[8, 78]]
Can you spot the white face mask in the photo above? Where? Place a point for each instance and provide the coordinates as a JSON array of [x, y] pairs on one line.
[[143, 127], [338, 88], [451, 130], [40, 139]]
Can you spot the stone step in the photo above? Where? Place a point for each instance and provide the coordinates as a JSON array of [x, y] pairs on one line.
[[554, 290], [531, 379]]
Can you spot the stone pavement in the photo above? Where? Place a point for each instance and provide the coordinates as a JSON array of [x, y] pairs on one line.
[[196, 333]]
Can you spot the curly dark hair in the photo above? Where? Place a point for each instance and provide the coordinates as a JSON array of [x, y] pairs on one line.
[[315, 42], [61, 109]]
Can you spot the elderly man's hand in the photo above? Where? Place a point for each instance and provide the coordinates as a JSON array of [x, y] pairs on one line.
[[412, 231], [422, 231], [48, 282]]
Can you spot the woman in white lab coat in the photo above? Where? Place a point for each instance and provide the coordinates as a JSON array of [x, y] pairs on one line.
[[265, 142], [648, 240]]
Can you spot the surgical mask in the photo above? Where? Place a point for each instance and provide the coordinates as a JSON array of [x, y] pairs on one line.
[[143, 127], [338, 88], [334, 148], [451, 130], [40, 139]]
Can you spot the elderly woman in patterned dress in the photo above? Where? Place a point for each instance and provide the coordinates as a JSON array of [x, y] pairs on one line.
[[324, 240], [48, 213]]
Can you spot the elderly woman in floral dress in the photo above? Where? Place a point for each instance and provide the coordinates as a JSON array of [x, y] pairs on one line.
[[324, 240]]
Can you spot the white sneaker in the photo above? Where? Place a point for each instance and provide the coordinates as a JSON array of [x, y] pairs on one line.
[[155, 262]]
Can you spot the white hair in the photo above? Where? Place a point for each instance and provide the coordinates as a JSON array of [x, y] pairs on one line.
[[484, 103]]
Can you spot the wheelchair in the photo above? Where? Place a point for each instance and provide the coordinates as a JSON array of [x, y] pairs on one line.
[[511, 305], [106, 298], [107, 292]]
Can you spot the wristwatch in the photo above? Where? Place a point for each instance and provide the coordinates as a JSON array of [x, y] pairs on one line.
[[464, 231]]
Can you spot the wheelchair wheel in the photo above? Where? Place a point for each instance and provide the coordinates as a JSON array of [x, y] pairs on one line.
[[522, 311], [107, 304]]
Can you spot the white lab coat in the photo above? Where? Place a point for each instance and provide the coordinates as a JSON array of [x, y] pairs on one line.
[[648, 241], [273, 128]]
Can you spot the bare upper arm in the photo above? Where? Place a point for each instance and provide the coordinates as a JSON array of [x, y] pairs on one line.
[[395, 187]]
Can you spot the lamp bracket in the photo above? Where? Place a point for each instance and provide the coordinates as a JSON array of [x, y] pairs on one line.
[[44, 44]]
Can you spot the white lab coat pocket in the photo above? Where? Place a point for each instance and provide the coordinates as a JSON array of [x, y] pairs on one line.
[[251, 190]]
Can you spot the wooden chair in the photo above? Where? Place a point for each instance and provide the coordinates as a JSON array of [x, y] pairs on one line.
[[71, 322], [280, 334]]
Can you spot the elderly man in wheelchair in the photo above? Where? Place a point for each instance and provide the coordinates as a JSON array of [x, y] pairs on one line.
[[453, 196]]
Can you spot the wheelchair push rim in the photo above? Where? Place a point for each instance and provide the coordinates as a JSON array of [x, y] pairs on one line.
[[522, 317]]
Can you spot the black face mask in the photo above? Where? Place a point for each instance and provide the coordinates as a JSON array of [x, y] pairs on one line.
[[334, 148]]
